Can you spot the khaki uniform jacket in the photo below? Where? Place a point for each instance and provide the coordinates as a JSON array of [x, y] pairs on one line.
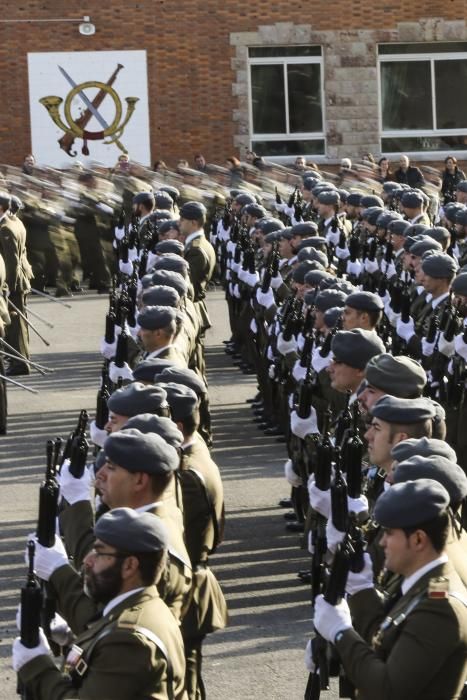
[[201, 257], [424, 656], [13, 250], [139, 655]]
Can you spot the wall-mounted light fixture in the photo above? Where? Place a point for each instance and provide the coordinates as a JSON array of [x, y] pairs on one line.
[[86, 27]]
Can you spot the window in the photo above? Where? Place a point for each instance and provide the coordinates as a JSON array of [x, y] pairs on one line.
[[423, 97], [286, 98]]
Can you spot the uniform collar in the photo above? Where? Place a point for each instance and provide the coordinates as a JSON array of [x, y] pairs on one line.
[[410, 581], [119, 599], [192, 236]]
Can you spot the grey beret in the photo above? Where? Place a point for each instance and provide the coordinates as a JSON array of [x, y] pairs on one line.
[[314, 277], [330, 197], [460, 216], [160, 215], [137, 398], [422, 447], [145, 370], [459, 284], [171, 279], [162, 295], [411, 503], [356, 347], [299, 272], [174, 193], [185, 376], [371, 200], [343, 286], [160, 425], [329, 298], [393, 409], [309, 183], [412, 200], [193, 211], [171, 245], [439, 233], [439, 265], [141, 452], [245, 198], [163, 200], [354, 199], [317, 242], [173, 262], [398, 376], [343, 194], [364, 301], [313, 254], [427, 244], [462, 186], [154, 317], [438, 468], [99, 461], [285, 233], [255, 210], [132, 532], [371, 214], [389, 187], [166, 226], [306, 229], [272, 237], [181, 399], [268, 225], [398, 227], [144, 198], [332, 316]]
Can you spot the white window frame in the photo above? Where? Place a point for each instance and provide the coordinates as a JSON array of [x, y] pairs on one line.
[[288, 135], [428, 133]]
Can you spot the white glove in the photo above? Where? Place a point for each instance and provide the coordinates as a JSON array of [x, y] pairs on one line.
[[427, 348], [134, 331], [460, 346], [251, 279], [270, 354], [392, 316], [132, 254], [320, 501], [354, 268], [108, 350], [301, 427], [71, 489], [60, 631], [405, 330], [362, 580], [242, 274], [98, 436], [333, 536], [235, 267], [119, 233], [319, 363], [230, 247], [445, 346], [253, 326], [286, 346], [125, 267], [342, 253], [333, 237], [388, 269], [228, 275], [21, 654], [265, 299], [300, 341], [298, 372], [386, 299], [309, 663], [290, 475], [276, 282], [358, 505], [48, 559], [330, 619], [236, 291], [310, 545], [371, 266], [116, 372], [272, 372]]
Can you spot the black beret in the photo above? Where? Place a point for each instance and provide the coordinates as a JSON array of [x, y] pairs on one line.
[[439, 233], [255, 210], [141, 452], [137, 398], [462, 186], [439, 265], [173, 262], [171, 190], [393, 409], [181, 399], [459, 284], [422, 246], [160, 425], [193, 211], [364, 301], [435, 467], [411, 503], [356, 347], [152, 318], [312, 254], [166, 226], [163, 200], [398, 376], [171, 279], [305, 229], [132, 532], [398, 227], [329, 298], [145, 370], [330, 197], [171, 245], [314, 277], [412, 200], [332, 316], [161, 295], [422, 447], [371, 200], [144, 198], [185, 376], [354, 199], [269, 224]]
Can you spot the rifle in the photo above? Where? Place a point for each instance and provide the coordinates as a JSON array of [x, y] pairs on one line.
[[103, 394], [344, 421], [353, 454], [339, 506], [79, 447], [121, 352], [31, 605]]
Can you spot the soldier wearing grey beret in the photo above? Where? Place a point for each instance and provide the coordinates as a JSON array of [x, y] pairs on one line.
[[438, 468], [411, 503], [439, 265], [171, 279], [356, 347], [195, 211], [423, 447], [396, 375], [164, 427], [169, 246], [161, 295], [146, 369], [138, 452], [130, 531], [134, 399]]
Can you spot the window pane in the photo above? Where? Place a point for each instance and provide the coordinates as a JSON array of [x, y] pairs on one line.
[[434, 47], [451, 104], [420, 143], [304, 85], [406, 95], [289, 148], [267, 96], [261, 51]]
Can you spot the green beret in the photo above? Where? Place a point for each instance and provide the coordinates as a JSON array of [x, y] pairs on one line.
[[398, 376], [138, 452], [145, 370], [171, 279], [439, 265], [356, 347], [181, 399], [393, 409], [423, 447], [364, 301], [447, 473], [132, 532], [138, 398], [411, 503], [162, 295], [152, 318], [164, 427], [193, 211]]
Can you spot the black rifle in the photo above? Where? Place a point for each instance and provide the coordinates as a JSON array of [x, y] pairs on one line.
[[103, 394], [339, 505], [31, 605], [79, 447], [352, 455], [121, 352], [344, 421]]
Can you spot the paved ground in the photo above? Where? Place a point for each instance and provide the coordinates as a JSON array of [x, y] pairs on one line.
[[260, 654]]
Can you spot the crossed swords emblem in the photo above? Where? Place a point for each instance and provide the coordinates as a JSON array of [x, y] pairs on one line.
[[76, 128]]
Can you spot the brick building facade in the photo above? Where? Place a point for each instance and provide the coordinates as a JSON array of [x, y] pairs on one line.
[[203, 59]]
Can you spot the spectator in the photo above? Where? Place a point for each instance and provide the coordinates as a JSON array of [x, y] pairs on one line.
[[408, 174], [450, 177]]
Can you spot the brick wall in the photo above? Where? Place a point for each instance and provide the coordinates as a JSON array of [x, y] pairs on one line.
[[191, 59]]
